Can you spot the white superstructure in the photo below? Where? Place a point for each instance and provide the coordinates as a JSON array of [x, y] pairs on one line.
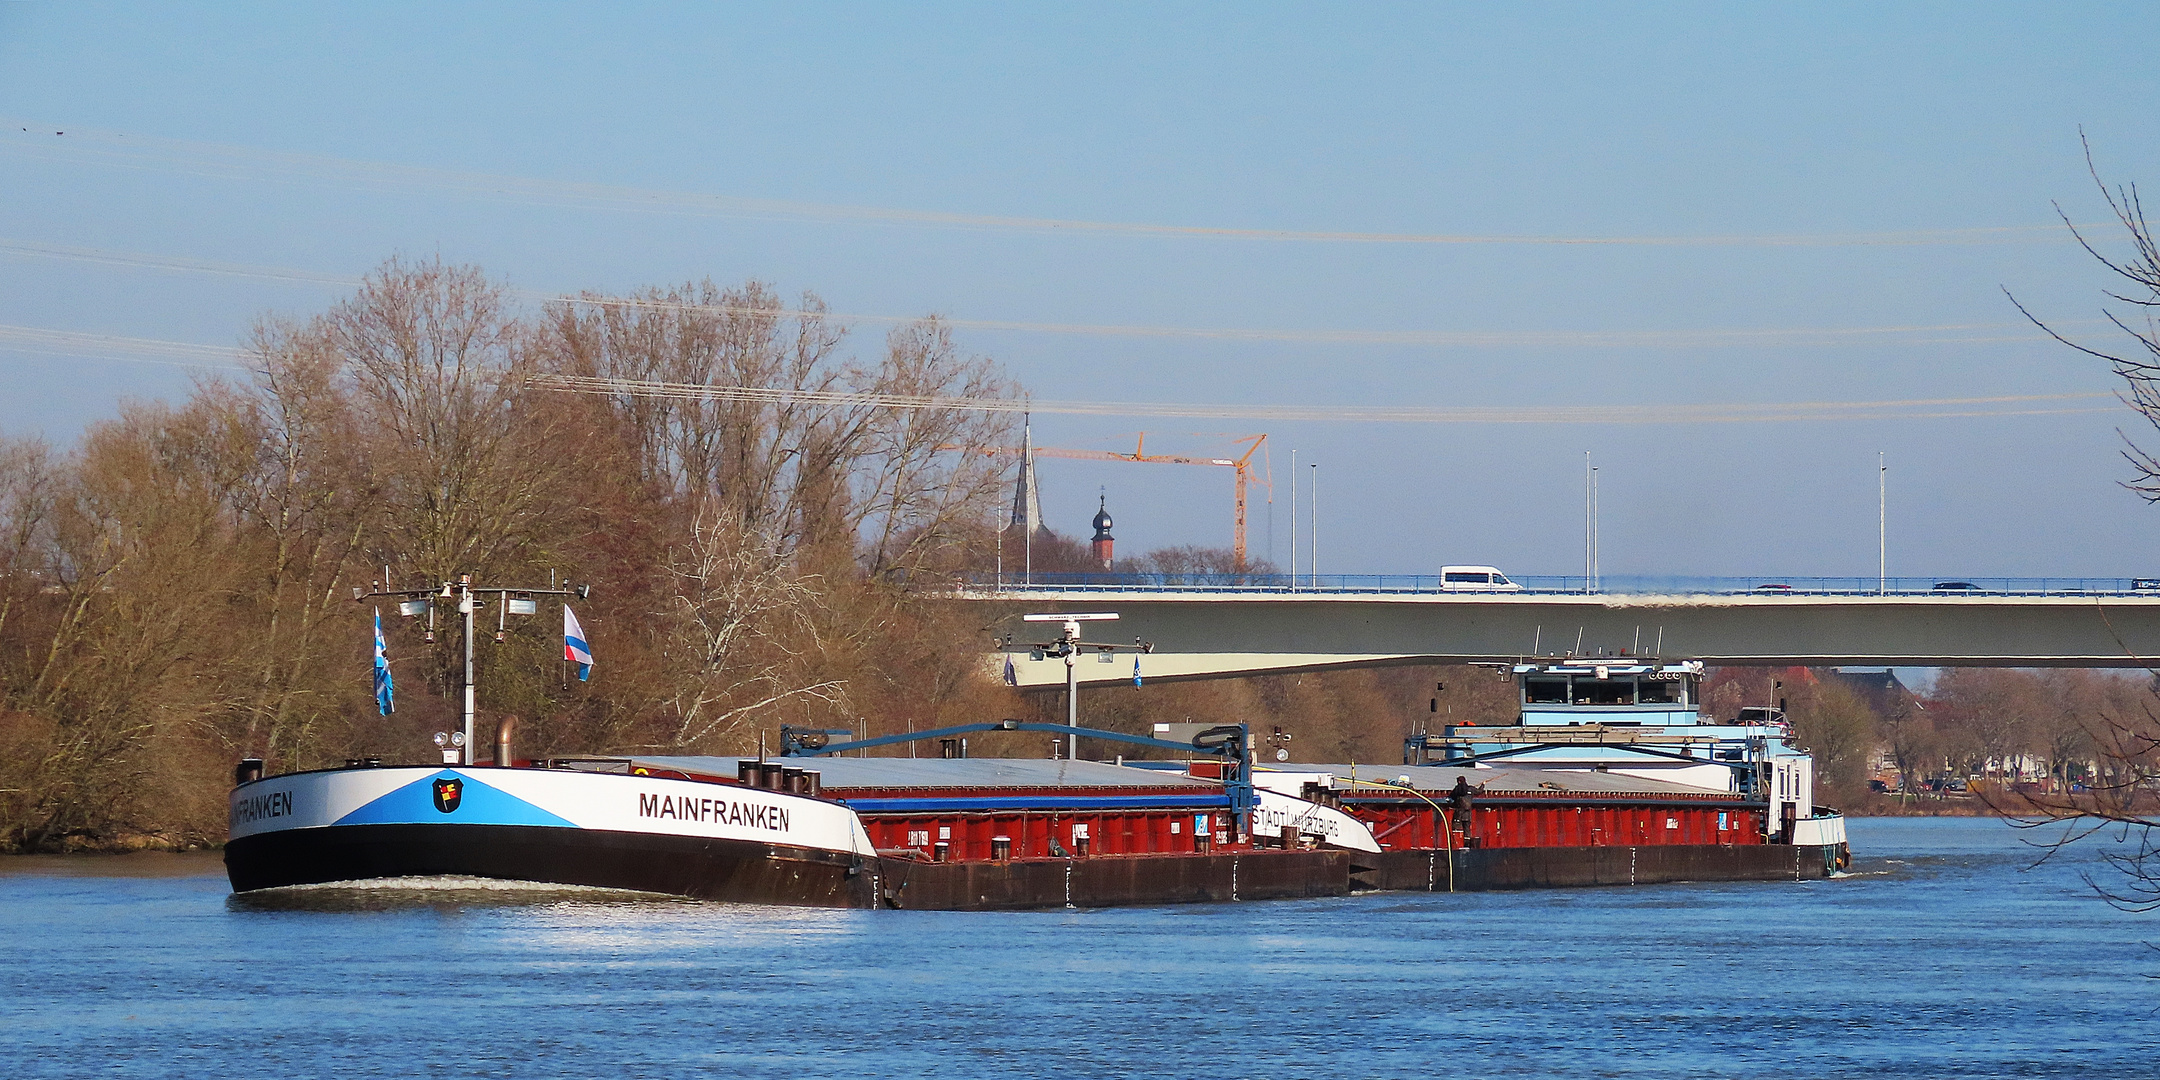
[[1642, 716]]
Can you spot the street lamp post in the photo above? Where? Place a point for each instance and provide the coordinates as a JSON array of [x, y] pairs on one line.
[[1882, 524]]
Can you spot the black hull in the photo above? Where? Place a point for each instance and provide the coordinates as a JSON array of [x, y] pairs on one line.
[[1115, 880], [709, 869], [763, 874], [743, 872], [1484, 869]]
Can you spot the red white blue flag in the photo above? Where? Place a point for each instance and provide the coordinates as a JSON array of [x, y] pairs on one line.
[[574, 648]]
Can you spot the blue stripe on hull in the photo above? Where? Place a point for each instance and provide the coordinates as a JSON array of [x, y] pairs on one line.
[[478, 804]]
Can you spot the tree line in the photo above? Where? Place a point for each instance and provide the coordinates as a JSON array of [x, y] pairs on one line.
[[176, 588], [2041, 731]]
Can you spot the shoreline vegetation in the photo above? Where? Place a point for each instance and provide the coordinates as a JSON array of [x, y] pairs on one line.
[[175, 588]]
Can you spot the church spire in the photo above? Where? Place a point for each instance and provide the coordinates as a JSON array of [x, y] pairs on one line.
[[1100, 546]]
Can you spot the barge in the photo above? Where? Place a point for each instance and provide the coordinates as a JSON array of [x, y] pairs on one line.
[[1445, 829], [984, 834], [1608, 776], [978, 834], [949, 833]]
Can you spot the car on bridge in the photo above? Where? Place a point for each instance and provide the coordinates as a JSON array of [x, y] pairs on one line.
[[1475, 579]]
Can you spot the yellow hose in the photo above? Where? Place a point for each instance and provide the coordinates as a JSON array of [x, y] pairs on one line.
[[1447, 831]]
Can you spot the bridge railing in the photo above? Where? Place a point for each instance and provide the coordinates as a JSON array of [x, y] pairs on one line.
[[1612, 584]]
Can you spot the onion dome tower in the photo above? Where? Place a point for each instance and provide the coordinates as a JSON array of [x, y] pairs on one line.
[[1100, 546]]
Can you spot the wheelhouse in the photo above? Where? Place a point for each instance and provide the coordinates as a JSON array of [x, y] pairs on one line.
[[1624, 691]]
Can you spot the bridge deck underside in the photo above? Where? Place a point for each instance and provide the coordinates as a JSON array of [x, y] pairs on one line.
[[1221, 635]]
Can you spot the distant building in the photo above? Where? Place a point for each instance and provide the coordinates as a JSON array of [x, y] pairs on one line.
[[1100, 547], [1892, 701], [1888, 696]]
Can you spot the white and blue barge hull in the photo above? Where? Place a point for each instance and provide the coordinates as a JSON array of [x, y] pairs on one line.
[[560, 826]]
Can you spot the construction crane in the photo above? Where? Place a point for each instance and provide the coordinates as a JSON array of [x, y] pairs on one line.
[[1242, 464], [586, 384]]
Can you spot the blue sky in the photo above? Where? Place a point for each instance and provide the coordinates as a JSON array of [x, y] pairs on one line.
[[1819, 206]]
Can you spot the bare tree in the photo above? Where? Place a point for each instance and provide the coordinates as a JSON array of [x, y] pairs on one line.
[[121, 670], [28, 489], [1992, 717], [799, 518], [297, 507], [2127, 741], [917, 490], [2137, 361], [1834, 722], [811, 473], [2063, 733], [2120, 799], [1195, 561], [741, 632], [766, 461], [459, 469], [1916, 747]]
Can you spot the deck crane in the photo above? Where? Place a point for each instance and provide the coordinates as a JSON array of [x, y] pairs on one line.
[[1242, 464]]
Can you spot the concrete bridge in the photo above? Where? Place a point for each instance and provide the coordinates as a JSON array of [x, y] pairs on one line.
[[1216, 631]]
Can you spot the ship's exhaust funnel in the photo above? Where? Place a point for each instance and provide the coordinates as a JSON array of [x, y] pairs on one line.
[[504, 732]]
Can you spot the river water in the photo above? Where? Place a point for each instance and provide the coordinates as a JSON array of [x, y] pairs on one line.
[[1941, 956]]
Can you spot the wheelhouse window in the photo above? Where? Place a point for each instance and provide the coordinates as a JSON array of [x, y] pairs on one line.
[[1545, 691], [1661, 692], [1590, 691]]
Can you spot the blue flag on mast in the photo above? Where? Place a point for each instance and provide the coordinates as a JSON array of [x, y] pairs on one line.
[[385, 701]]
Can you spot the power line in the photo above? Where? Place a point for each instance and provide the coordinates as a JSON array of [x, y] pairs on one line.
[[2027, 405], [1927, 334], [112, 346], [1729, 337], [1786, 412], [32, 339], [231, 162], [179, 263]]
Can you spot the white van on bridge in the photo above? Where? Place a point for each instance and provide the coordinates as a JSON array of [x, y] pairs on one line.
[[1475, 579]]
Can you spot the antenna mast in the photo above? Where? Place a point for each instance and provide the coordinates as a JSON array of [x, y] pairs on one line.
[[469, 598]]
